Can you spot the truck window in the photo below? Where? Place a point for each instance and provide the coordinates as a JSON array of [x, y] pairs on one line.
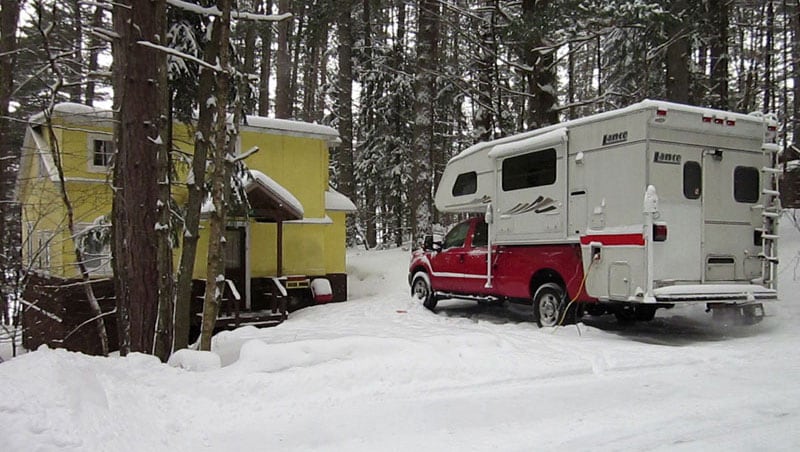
[[466, 184], [480, 237], [692, 180], [456, 236], [746, 184], [534, 169]]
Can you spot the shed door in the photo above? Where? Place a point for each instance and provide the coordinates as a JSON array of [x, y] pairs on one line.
[[235, 262]]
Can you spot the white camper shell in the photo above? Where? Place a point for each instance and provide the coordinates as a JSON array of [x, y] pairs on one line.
[[705, 232]]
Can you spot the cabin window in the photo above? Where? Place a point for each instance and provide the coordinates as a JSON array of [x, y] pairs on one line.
[[101, 152], [481, 235], [534, 169], [456, 236], [95, 243], [41, 253], [692, 180], [466, 184], [746, 184]]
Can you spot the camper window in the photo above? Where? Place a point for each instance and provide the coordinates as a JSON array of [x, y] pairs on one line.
[[466, 184], [692, 180], [456, 236], [745, 184], [534, 169]]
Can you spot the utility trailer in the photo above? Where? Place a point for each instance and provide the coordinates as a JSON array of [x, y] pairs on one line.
[[622, 212]]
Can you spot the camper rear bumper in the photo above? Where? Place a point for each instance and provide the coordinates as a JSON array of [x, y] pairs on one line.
[[722, 293]]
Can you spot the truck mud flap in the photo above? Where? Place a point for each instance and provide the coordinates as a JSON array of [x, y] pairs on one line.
[[733, 314]]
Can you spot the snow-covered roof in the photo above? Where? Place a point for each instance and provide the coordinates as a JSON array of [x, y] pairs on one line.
[[290, 127], [78, 114], [257, 178], [643, 105], [269, 200], [84, 114], [338, 202]]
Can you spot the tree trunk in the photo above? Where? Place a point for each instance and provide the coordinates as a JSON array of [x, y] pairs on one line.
[[795, 77], [769, 91], [165, 323], [249, 65], [677, 58], [203, 143], [345, 99], [220, 175], [283, 107], [9, 155], [139, 103], [266, 62], [96, 45], [420, 201], [719, 11], [542, 77]]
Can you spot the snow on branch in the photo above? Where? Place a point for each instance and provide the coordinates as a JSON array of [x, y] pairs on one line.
[[180, 55], [214, 11]]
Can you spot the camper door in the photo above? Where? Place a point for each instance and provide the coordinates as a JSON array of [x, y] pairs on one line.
[[706, 198], [531, 188]]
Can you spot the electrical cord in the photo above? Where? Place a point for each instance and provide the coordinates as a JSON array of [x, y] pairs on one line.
[[595, 258]]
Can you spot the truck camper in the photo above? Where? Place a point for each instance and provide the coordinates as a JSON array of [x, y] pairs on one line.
[[621, 212]]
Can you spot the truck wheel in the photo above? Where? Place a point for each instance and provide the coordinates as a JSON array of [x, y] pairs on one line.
[[645, 313], [421, 288], [549, 304]]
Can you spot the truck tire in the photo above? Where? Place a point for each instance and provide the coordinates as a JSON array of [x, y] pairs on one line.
[[549, 305], [645, 313], [421, 288]]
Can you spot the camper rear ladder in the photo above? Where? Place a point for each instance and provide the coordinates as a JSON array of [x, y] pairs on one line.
[[770, 211]]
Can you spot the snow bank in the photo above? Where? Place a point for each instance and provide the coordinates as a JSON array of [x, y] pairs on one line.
[[195, 360], [380, 372]]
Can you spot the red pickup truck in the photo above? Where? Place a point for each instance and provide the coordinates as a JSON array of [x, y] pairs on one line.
[[549, 276]]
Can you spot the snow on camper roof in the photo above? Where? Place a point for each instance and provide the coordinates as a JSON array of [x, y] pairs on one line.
[[643, 105], [549, 139]]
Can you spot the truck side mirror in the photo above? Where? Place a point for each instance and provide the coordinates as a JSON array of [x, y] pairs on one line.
[[427, 243]]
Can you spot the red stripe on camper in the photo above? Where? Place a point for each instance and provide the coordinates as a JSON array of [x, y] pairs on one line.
[[614, 239]]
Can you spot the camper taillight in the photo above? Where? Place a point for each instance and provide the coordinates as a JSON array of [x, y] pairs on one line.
[[659, 232]]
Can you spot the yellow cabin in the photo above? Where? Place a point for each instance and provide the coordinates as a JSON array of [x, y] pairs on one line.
[[295, 231]]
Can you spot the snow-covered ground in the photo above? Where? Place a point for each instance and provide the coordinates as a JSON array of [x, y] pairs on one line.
[[381, 373]]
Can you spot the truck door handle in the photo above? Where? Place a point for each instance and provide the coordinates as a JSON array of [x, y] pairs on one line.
[[461, 258]]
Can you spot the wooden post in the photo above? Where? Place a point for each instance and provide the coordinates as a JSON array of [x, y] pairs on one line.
[[280, 248]]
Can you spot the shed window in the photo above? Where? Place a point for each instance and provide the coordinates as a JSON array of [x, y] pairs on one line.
[[746, 184], [534, 169], [102, 151], [692, 180], [466, 184]]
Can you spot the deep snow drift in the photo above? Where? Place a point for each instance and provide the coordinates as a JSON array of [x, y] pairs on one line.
[[381, 373]]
